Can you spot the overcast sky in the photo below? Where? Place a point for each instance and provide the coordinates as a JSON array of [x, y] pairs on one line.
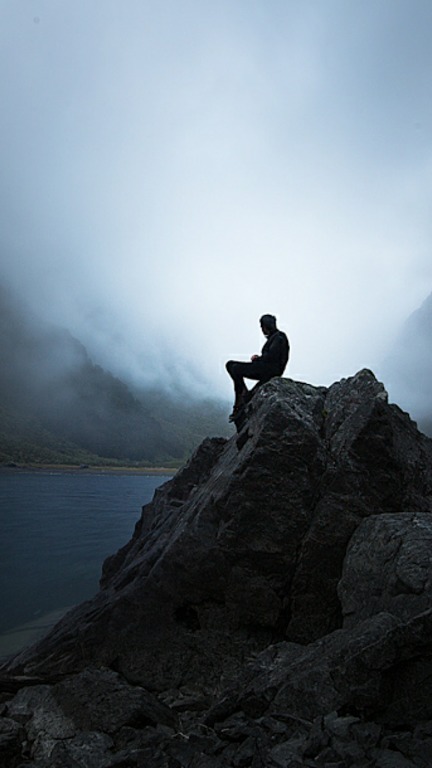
[[173, 169]]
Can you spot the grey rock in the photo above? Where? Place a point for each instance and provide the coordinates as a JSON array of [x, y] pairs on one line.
[[113, 703], [388, 567], [235, 728], [9, 730], [72, 722], [37, 709], [10, 741], [387, 758], [378, 669], [85, 750], [289, 752]]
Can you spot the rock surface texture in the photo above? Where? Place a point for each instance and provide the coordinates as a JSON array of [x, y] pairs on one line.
[[273, 608]]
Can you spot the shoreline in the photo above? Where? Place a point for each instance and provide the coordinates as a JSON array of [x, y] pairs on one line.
[[22, 636], [83, 469]]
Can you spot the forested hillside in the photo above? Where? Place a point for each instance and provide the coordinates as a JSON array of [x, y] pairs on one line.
[[59, 406]]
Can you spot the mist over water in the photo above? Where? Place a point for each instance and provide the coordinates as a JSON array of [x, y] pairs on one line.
[[171, 172]]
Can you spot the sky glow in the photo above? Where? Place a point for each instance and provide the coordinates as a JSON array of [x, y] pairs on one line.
[[173, 170]]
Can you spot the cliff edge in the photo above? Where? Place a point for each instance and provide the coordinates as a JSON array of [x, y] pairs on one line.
[[273, 607]]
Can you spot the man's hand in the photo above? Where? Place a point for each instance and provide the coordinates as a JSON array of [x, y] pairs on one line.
[[254, 357]]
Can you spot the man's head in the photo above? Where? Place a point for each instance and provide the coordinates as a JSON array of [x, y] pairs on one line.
[[268, 324]]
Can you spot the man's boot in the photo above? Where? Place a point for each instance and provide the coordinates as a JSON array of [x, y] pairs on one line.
[[240, 401]]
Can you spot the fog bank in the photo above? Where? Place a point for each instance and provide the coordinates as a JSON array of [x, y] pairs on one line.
[[172, 171]]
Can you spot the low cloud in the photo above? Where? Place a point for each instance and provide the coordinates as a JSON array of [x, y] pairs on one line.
[[170, 173]]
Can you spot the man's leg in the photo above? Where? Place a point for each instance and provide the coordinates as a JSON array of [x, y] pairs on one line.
[[234, 370], [238, 372]]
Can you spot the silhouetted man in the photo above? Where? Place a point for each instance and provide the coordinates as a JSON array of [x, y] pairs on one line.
[[272, 362]]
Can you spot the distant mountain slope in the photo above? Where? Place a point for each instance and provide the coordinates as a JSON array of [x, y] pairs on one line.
[[186, 419], [24, 440], [408, 368], [55, 399]]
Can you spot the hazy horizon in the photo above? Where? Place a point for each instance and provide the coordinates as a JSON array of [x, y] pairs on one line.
[[170, 172]]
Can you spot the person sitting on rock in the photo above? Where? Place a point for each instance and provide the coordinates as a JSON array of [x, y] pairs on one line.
[[272, 362]]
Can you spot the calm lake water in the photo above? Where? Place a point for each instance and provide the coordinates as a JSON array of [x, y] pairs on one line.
[[56, 529]]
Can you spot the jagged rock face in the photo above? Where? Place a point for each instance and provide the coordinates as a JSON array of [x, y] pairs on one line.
[[388, 567], [246, 545], [273, 607]]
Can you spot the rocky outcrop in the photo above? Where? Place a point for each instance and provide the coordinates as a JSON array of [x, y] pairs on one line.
[[273, 607], [388, 567]]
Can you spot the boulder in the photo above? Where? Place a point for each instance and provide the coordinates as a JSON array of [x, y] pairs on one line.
[[246, 545], [273, 607], [388, 567]]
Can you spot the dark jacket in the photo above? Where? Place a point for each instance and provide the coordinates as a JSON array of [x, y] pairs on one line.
[[275, 353]]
